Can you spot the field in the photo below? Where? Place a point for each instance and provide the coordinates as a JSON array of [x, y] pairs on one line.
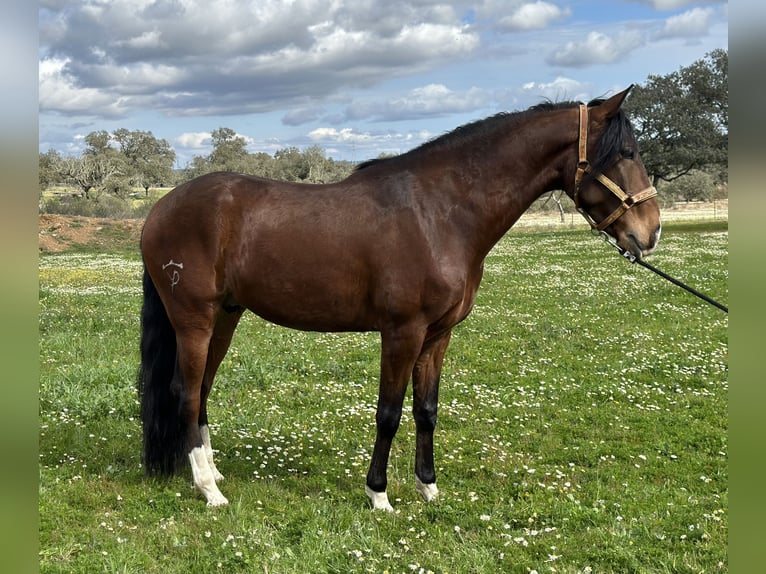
[[582, 429]]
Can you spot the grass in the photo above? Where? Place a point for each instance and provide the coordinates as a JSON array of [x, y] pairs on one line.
[[582, 428]]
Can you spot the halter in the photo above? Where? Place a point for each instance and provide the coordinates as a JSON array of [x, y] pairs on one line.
[[583, 167]]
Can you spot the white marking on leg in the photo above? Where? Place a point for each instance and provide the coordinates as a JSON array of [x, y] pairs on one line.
[[205, 432], [379, 500], [427, 490], [203, 477]]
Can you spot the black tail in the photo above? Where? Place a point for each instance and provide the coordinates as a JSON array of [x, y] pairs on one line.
[[161, 396]]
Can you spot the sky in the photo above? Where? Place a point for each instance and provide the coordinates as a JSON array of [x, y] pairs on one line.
[[357, 77]]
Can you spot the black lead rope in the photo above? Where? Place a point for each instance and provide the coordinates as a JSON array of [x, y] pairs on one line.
[[633, 259], [677, 282]]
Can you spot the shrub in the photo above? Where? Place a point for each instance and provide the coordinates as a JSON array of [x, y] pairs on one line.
[[106, 206], [694, 186]]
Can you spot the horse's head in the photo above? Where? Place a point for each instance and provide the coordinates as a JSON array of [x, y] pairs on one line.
[[611, 187]]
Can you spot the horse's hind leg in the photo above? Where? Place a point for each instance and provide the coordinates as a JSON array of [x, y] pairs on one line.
[[193, 348], [219, 343], [425, 382]]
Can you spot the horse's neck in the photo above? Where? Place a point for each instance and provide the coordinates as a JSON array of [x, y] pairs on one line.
[[511, 178]]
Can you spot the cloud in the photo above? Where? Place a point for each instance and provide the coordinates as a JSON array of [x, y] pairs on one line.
[[344, 135], [433, 100], [220, 57], [692, 24], [300, 116], [58, 90], [151, 40], [194, 140], [597, 48], [665, 5], [533, 16], [390, 141], [560, 89]]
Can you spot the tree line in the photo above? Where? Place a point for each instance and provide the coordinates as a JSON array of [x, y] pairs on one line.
[[681, 122], [123, 161]]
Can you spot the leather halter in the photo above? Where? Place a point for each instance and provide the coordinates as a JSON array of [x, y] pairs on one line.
[[583, 167]]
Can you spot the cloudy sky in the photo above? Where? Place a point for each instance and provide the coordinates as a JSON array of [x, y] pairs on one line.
[[358, 77]]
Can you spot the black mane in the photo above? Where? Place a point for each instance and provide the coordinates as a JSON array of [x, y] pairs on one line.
[[617, 132], [616, 139]]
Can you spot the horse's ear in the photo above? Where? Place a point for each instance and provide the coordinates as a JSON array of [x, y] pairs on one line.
[[611, 106]]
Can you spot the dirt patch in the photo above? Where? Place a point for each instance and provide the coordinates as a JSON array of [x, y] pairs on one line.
[[57, 233]]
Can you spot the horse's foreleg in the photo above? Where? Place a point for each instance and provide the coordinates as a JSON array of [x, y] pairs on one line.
[[193, 348], [399, 352], [219, 344], [425, 381]]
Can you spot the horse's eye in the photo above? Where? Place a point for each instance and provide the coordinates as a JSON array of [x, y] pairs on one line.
[[627, 154]]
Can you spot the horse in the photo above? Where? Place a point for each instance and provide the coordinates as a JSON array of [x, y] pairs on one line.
[[397, 247]]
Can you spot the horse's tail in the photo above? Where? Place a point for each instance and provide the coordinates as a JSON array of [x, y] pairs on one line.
[[164, 429]]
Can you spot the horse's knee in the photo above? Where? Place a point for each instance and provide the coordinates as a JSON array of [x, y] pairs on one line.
[[425, 417], [388, 419]]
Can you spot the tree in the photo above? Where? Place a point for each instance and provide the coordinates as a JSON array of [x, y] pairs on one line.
[[708, 79], [98, 143], [291, 164], [49, 168], [317, 163], [261, 164], [695, 186], [681, 119], [197, 166], [89, 172], [556, 197], [229, 151], [150, 160], [100, 168]]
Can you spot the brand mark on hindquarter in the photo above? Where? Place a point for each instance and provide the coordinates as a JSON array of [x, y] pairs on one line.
[[173, 274]]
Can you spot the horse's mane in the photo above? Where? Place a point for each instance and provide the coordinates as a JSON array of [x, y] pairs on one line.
[[612, 141], [617, 135]]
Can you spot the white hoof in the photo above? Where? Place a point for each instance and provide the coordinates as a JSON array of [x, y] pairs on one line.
[[217, 500], [204, 479], [379, 500], [427, 491]]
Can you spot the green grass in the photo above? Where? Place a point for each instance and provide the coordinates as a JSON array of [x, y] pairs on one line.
[[582, 428]]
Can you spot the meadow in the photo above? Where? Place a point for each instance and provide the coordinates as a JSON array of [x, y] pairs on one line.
[[582, 428]]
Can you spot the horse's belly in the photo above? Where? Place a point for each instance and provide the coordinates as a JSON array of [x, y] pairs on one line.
[[319, 303]]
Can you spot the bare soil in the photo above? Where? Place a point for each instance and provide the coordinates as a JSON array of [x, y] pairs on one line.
[[57, 233]]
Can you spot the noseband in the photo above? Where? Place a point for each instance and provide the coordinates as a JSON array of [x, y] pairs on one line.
[[583, 167]]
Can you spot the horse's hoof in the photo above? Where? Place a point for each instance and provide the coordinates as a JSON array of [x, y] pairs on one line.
[[379, 500], [427, 490], [219, 500]]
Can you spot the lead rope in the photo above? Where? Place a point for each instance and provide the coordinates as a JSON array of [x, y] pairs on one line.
[[633, 259]]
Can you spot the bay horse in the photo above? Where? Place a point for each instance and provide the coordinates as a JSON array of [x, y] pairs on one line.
[[397, 247]]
